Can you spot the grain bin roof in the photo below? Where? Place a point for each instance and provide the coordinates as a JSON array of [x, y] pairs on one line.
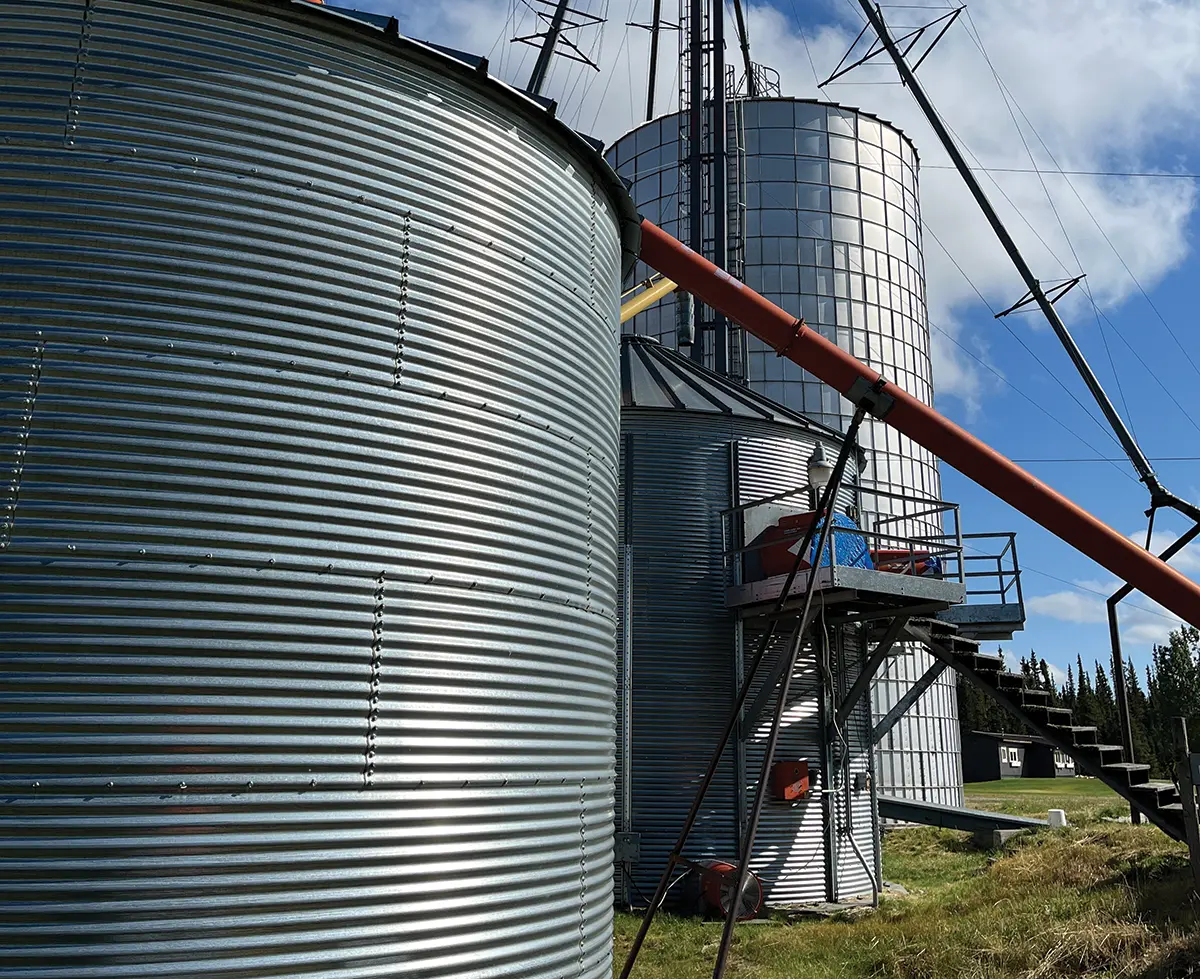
[[657, 377], [474, 69]]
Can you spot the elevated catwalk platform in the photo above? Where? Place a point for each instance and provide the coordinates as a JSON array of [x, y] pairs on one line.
[[860, 590]]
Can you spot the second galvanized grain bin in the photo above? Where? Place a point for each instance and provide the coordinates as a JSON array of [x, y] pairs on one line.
[[692, 446], [308, 406]]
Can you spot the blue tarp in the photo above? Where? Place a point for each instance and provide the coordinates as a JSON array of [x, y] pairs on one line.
[[850, 550]]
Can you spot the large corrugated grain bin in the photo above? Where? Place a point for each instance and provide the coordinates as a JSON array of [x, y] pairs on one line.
[[309, 420]]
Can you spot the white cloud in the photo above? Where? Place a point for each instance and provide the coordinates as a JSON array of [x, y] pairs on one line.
[[1109, 85], [1186, 561], [1057, 674], [1067, 606], [1143, 622]]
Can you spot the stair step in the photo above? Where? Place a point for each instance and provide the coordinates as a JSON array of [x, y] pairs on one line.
[[934, 624], [1030, 696], [1077, 735], [986, 663], [1130, 773], [1101, 754], [1010, 681], [1172, 809], [1049, 715], [1164, 793], [1102, 749]]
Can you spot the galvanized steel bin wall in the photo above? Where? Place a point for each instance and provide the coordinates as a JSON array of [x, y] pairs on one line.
[[679, 645], [831, 228], [308, 567], [675, 482], [794, 838]]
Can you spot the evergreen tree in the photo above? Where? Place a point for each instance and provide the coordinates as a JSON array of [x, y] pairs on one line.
[[1139, 707], [1068, 693], [1174, 691], [1086, 712], [1048, 684], [1106, 709], [970, 706], [1027, 671]]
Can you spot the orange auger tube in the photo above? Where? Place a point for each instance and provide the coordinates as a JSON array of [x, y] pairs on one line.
[[791, 338]]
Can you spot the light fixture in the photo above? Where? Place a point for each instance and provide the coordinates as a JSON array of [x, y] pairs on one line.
[[820, 470]]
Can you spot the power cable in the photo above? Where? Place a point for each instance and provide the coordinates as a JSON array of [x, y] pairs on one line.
[[1052, 253], [1108, 240], [1104, 428], [973, 33], [518, 72], [981, 169], [611, 74], [1024, 346], [596, 53], [1075, 585], [1092, 591], [1054, 418], [1027, 397], [857, 11], [1010, 101], [505, 30], [807, 49], [672, 96], [673, 90], [629, 70], [1011, 203], [1182, 175], [1157, 380], [1121, 459]]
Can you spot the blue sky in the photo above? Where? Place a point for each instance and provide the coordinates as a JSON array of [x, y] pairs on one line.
[[1101, 85]]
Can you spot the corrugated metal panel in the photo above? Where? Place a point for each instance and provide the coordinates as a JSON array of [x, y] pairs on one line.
[[654, 376], [677, 477], [920, 757], [791, 835], [38, 56], [854, 809], [789, 850], [883, 325], [676, 480], [623, 800], [776, 463], [310, 573]]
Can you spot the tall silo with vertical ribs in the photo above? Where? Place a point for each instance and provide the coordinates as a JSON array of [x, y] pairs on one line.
[[824, 220]]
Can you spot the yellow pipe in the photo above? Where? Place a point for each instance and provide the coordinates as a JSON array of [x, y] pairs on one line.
[[646, 299]]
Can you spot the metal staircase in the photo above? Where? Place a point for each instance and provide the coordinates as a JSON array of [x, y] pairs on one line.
[[1158, 801]]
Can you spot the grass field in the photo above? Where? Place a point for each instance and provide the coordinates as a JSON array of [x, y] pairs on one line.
[[1099, 900], [1086, 800]]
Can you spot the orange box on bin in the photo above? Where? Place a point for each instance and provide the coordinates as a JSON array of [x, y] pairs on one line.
[[789, 780]]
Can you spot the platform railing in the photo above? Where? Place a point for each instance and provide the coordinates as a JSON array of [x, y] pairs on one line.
[[908, 550], [991, 570], [985, 564]]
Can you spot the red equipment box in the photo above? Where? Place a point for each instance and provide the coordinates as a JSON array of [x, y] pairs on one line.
[[786, 533], [789, 780]]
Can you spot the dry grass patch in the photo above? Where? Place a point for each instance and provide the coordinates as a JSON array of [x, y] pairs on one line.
[[1103, 903]]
